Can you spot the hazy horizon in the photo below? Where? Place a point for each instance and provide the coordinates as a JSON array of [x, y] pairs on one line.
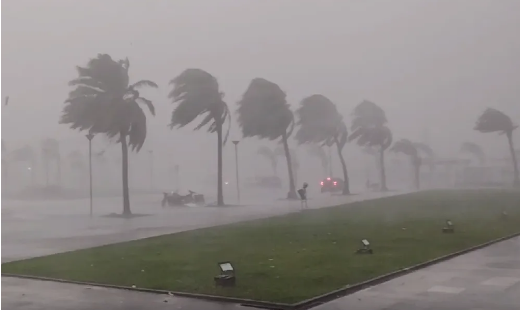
[[432, 65]]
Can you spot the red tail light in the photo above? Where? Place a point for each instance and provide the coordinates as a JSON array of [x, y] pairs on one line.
[[334, 183], [322, 183]]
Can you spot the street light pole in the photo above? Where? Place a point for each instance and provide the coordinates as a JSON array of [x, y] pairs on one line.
[[90, 136], [237, 171]]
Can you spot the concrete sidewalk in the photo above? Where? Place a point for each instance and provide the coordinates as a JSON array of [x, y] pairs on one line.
[[487, 279], [33, 228]]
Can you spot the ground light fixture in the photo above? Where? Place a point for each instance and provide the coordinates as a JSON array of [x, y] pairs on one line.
[[227, 276], [449, 227], [365, 249]]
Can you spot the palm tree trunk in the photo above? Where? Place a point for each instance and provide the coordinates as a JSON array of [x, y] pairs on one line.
[[345, 190], [220, 196], [514, 159], [124, 170], [383, 177], [292, 194]]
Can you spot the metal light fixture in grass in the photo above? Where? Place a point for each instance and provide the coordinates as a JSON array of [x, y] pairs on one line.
[[449, 227], [365, 249], [227, 276]]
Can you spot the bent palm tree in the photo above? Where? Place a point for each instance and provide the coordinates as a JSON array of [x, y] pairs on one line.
[[104, 101], [369, 129], [408, 148], [264, 112], [493, 120], [475, 150], [196, 92], [321, 123]]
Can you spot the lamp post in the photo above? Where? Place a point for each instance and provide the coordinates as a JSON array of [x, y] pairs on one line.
[[237, 171], [89, 136]]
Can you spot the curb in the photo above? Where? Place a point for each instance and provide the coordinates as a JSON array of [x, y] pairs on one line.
[[306, 304]]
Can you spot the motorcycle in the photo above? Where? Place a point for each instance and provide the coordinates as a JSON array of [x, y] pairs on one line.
[[173, 199]]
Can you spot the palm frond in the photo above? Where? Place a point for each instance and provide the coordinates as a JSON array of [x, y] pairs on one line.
[[368, 114], [264, 112], [319, 121], [148, 103], [137, 131], [144, 83], [493, 120], [406, 147], [197, 93]]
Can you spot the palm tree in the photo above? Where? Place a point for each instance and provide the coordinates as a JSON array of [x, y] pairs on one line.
[[318, 151], [475, 150], [197, 93], [271, 156], [369, 129], [493, 120], [264, 112], [104, 101], [51, 152], [408, 148], [320, 123]]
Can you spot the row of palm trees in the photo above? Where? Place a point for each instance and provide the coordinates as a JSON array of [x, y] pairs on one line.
[[50, 156], [103, 100]]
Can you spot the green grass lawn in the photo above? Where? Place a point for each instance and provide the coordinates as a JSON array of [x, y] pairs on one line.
[[297, 256]]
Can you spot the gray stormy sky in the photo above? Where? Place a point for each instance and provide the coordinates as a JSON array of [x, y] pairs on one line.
[[428, 63]]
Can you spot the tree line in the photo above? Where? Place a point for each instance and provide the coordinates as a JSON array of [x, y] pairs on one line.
[[103, 100]]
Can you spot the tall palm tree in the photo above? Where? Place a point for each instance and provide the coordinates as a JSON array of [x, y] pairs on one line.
[[474, 149], [264, 112], [51, 152], [369, 129], [271, 156], [493, 120], [320, 123], [408, 148], [197, 93], [318, 152], [104, 101]]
